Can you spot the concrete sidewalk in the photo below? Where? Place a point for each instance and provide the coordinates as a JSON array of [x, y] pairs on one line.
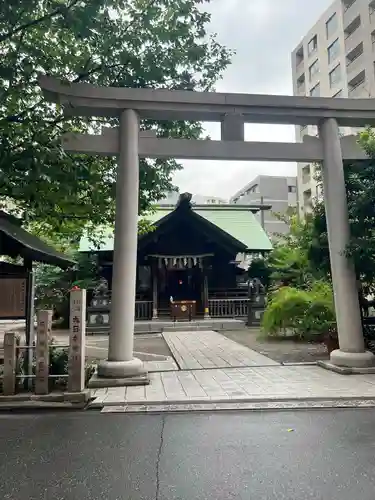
[[276, 384]]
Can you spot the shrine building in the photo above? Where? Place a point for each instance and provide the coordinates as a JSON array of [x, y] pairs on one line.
[[192, 264]]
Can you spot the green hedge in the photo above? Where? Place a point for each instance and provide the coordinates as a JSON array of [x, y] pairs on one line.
[[303, 313]]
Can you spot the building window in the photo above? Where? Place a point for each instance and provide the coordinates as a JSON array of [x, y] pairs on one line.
[[315, 91], [333, 51], [335, 76], [331, 26], [292, 189], [312, 45], [314, 69]]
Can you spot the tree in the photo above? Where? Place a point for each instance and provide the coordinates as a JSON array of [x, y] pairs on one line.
[[129, 43], [289, 260], [360, 181]]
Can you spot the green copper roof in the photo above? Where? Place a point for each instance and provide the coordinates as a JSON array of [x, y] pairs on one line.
[[239, 223]]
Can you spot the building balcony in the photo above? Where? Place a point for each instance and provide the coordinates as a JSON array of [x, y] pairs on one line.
[[306, 179], [357, 86], [371, 7], [350, 11], [301, 89], [300, 68], [355, 66], [353, 40], [352, 25], [360, 91]]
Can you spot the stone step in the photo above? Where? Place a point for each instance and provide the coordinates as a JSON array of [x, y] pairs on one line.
[[159, 326]]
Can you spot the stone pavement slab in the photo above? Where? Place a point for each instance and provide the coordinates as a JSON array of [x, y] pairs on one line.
[[209, 349], [240, 385]]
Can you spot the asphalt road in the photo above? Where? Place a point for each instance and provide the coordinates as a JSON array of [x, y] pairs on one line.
[[328, 455]]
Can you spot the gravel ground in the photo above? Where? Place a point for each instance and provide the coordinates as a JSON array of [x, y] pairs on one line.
[[283, 351], [151, 344]]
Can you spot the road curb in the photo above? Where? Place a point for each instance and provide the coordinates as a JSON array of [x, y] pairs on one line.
[[273, 403], [243, 406]]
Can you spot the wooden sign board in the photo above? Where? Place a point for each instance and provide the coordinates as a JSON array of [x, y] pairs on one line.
[[13, 297]]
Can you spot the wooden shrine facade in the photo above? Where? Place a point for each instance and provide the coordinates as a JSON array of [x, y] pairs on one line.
[[189, 266]]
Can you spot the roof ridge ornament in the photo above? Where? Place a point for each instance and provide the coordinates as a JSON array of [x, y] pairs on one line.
[[184, 201]]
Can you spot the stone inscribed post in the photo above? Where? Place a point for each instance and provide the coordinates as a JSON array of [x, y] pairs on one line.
[[76, 380], [43, 334], [10, 363]]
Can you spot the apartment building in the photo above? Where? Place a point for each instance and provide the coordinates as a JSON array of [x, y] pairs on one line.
[[279, 192], [336, 58], [197, 199]]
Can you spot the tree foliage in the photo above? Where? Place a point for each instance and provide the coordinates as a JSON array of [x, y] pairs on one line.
[[360, 181], [289, 262], [303, 312], [52, 284], [301, 260], [121, 43]]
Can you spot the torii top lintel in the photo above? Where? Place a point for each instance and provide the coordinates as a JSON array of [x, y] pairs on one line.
[[82, 99]]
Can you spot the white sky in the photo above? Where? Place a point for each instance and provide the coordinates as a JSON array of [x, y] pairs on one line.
[[263, 33]]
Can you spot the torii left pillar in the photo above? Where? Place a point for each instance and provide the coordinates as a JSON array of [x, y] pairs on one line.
[[121, 368]]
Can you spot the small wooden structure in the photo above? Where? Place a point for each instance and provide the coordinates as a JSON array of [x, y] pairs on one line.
[[17, 281], [183, 309]]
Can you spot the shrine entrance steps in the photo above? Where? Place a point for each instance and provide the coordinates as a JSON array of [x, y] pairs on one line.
[[159, 326], [167, 325]]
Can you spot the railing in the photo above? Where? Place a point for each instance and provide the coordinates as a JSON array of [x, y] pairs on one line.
[[353, 65], [98, 314], [301, 89], [143, 309], [229, 308], [359, 90], [228, 293]]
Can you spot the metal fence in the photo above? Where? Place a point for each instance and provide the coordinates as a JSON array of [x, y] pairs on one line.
[[229, 308]]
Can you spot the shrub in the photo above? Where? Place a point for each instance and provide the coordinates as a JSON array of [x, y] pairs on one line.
[[58, 365], [303, 312]]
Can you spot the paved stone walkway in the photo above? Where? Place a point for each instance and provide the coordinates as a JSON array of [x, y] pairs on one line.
[[208, 349], [240, 385]]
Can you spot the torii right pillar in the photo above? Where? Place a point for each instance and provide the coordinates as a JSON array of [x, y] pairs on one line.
[[352, 352]]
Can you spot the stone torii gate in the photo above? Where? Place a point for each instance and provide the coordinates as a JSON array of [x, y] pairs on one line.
[[232, 111]]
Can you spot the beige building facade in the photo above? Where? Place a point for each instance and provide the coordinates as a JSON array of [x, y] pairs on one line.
[[336, 58]]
